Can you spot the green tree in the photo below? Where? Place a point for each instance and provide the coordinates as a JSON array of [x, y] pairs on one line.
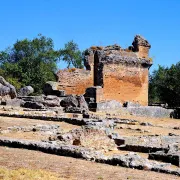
[[156, 84], [72, 55], [164, 85], [30, 62]]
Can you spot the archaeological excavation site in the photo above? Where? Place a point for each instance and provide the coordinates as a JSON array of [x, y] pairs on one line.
[[98, 114]]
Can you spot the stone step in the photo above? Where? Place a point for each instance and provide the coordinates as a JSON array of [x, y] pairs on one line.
[[173, 158]]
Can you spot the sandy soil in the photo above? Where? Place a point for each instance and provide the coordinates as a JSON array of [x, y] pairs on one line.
[[161, 126], [138, 130], [164, 122], [11, 121], [6, 122], [70, 168]]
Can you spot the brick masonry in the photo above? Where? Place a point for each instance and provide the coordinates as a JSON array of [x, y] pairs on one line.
[[122, 73], [75, 81], [125, 83]]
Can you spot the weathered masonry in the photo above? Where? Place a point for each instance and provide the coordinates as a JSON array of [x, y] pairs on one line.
[[120, 74]]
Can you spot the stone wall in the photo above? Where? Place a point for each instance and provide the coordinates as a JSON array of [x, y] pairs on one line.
[[122, 73], [143, 52], [125, 83], [141, 46], [75, 81]]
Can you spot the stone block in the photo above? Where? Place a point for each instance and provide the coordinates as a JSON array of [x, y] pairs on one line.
[[94, 94], [173, 158], [150, 111]]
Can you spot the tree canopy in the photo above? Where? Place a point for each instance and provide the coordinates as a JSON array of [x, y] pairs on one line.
[[72, 55], [30, 62], [34, 62], [164, 85]]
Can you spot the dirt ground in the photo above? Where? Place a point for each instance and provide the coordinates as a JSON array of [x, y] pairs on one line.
[[168, 122], [137, 130], [163, 122], [161, 126], [71, 168], [11, 121], [6, 122], [166, 126]]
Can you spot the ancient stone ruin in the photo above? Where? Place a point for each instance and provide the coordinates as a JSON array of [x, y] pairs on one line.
[[112, 72], [96, 114], [114, 79]]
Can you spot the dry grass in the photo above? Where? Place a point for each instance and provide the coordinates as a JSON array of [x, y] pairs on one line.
[[164, 122], [27, 174]]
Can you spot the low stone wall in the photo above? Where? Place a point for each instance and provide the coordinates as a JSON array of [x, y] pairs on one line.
[[130, 160], [64, 150], [152, 141], [150, 111], [74, 121], [174, 158]]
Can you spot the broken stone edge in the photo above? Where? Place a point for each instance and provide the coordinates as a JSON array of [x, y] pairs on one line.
[[73, 121], [78, 152]]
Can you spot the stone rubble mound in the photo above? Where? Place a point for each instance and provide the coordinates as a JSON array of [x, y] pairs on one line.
[[75, 104], [51, 88], [7, 90]]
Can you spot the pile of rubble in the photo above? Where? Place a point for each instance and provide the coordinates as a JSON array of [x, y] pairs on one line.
[[51, 99]]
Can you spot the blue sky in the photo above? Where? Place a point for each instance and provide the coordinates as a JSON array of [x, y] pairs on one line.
[[95, 22]]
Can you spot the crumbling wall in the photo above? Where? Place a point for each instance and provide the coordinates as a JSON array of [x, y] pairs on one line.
[[125, 83], [122, 73], [75, 81], [141, 46], [143, 52]]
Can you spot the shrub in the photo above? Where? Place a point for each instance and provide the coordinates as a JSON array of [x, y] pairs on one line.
[[14, 82]]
